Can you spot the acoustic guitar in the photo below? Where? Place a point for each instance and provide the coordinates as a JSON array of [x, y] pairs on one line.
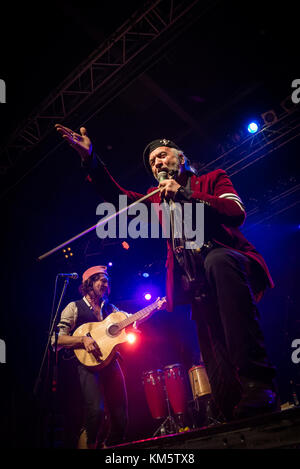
[[108, 334]]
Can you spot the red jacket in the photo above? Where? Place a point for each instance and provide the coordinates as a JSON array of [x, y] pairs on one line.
[[216, 189]]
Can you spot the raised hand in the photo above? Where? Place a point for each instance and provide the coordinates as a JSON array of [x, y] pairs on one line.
[[80, 142]]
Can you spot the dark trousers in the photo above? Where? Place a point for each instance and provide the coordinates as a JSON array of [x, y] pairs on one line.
[[102, 391], [229, 333]]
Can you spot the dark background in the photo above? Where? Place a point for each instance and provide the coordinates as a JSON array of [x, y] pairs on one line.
[[230, 65]]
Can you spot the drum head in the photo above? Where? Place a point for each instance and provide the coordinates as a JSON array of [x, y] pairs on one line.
[[175, 365]]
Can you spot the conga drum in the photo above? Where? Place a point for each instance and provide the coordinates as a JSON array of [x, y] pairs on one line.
[[153, 382], [176, 387], [199, 381]]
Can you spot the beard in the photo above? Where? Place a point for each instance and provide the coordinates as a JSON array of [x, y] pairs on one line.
[[98, 293], [173, 171]]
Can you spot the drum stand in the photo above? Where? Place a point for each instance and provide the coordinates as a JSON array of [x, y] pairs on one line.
[[169, 425], [207, 404]]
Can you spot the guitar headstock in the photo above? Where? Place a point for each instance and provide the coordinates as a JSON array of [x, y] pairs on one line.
[[160, 302]]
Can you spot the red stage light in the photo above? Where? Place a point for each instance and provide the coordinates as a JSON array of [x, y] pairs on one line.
[[131, 338]]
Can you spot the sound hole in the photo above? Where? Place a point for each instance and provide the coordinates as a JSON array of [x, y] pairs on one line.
[[113, 329]]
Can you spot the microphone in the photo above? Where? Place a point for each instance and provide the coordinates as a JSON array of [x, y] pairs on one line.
[[73, 275], [162, 175]]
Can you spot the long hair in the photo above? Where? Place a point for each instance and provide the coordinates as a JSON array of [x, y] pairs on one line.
[[187, 163]]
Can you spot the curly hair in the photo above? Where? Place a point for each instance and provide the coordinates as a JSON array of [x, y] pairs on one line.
[[87, 286]]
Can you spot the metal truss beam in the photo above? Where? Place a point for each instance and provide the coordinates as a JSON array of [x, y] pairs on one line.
[[273, 206], [105, 63], [284, 129]]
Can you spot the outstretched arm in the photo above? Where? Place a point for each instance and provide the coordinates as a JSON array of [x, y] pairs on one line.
[[97, 171]]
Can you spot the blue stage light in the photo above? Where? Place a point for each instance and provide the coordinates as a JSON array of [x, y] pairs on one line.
[[110, 264], [252, 127], [148, 296], [145, 274]]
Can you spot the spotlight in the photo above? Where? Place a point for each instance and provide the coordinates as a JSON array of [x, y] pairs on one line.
[[145, 274], [252, 128], [147, 296], [131, 338], [269, 117], [110, 264], [67, 253]]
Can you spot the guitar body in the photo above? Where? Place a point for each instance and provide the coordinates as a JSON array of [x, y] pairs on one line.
[[107, 337]]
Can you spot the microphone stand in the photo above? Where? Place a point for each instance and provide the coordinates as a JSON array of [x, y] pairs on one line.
[[54, 376]]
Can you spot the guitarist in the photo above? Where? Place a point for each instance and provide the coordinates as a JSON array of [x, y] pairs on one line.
[[105, 385]]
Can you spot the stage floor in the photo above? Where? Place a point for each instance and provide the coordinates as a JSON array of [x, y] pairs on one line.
[[277, 430]]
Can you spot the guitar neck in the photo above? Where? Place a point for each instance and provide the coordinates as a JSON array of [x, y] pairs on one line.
[[137, 316]]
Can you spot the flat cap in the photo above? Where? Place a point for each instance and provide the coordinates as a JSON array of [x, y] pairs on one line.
[[97, 269], [161, 142]]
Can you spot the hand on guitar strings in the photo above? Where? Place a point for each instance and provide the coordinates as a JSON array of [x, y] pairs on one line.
[[91, 346]]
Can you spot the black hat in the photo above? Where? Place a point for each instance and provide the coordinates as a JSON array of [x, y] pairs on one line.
[[162, 142]]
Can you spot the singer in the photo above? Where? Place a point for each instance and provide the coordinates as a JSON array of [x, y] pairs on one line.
[[223, 281], [98, 387]]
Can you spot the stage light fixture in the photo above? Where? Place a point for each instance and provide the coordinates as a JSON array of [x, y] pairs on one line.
[[147, 296], [145, 274], [269, 117], [67, 252], [131, 338], [110, 264], [252, 127]]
